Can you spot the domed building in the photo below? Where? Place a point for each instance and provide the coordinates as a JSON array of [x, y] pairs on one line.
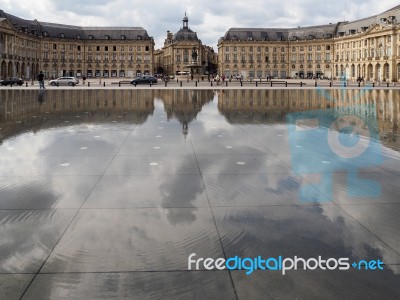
[[183, 54]]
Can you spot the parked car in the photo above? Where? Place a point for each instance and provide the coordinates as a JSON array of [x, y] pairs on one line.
[[71, 81], [144, 79], [12, 81]]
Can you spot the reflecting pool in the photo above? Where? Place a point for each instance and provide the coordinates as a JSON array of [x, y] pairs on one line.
[[105, 193]]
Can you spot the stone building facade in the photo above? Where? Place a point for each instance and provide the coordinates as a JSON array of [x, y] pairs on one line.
[[368, 48], [27, 46], [184, 52]]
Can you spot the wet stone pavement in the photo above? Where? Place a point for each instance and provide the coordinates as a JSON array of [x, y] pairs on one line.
[[104, 194]]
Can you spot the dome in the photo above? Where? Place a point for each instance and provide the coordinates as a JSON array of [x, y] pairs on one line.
[[185, 34]]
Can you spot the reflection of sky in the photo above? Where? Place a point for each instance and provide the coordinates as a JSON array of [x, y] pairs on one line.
[[28, 149], [361, 245], [179, 189], [305, 231], [211, 119]]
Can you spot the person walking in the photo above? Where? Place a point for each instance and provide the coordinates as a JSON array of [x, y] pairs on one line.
[[40, 78]]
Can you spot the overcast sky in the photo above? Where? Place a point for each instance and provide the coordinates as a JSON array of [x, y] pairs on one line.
[[209, 18]]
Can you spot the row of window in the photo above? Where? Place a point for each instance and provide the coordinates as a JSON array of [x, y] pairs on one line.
[[278, 49], [27, 53], [364, 54], [282, 57], [62, 55], [27, 43], [368, 41], [95, 48], [185, 58], [185, 51]]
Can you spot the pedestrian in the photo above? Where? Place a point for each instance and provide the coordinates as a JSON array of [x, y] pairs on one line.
[[40, 78]]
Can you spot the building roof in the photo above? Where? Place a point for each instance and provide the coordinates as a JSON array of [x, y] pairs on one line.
[[279, 34], [185, 33], [75, 32], [29, 26], [361, 25], [313, 32], [114, 33]]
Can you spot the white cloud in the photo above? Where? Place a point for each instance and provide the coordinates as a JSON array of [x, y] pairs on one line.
[[210, 19]]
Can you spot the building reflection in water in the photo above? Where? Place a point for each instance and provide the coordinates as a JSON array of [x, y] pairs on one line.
[[272, 106], [184, 105], [24, 110], [20, 112]]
